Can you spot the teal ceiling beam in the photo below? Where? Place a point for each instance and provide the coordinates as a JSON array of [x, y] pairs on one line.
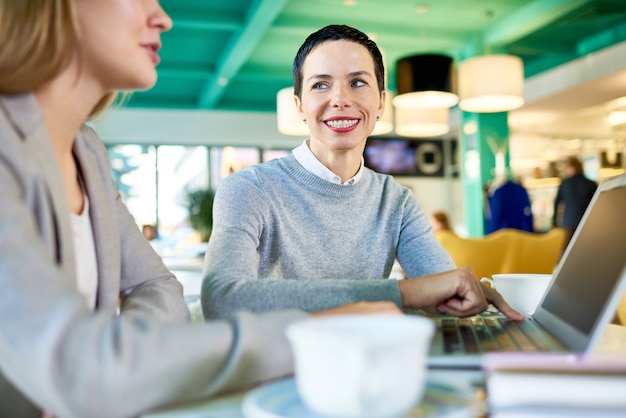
[[258, 75], [185, 74], [258, 20], [528, 19], [207, 25], [591, 44], [607, 37]]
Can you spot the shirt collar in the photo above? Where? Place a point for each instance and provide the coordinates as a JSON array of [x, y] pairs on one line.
[[308, 160]]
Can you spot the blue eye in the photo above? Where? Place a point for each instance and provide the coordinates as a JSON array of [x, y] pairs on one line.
[[359, 83], [319, 86]]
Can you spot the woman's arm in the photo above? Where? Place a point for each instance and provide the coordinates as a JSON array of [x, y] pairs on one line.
[[130, 269], [231, 268]]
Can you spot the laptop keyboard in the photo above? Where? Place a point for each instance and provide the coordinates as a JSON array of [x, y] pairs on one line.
[[481, 334]]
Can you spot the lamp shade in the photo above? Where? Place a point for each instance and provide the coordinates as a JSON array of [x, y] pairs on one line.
[[288, 119], [422, 123], [491, 83], [425, 81]]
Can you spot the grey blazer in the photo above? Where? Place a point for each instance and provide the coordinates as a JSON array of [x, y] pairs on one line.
[[58, 356]]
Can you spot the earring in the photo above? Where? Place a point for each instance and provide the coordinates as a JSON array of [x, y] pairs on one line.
[[304, 120], [378, 117]]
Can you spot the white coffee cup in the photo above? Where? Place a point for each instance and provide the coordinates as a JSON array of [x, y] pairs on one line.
[[522, 291], [361, 365]]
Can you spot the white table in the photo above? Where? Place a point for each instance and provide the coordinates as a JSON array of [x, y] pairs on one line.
[[471, 381], [230, 406]]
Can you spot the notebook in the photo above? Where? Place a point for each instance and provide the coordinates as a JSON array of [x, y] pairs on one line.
[[581, 300]]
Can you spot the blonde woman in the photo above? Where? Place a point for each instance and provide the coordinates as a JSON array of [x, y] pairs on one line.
[[71, 255]]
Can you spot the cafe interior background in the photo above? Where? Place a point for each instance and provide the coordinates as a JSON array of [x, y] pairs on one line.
[[226, 65]]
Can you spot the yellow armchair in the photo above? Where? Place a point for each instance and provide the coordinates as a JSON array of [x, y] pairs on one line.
[[621, 311], [505, 251]]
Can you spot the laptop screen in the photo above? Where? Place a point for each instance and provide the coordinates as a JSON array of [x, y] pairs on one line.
[[593, 264]]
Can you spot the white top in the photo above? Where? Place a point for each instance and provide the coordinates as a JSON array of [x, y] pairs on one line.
[[308, 160], [85, 255]]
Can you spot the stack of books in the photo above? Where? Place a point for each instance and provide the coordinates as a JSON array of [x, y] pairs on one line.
[[555, 385]]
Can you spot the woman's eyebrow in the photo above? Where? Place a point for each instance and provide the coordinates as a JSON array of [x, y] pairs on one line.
[[319, 76], [350, 75], [359, 73]]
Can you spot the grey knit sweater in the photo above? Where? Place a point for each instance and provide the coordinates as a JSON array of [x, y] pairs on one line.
[[284, 238]]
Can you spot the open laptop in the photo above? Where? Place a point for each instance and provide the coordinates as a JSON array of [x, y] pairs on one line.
[[580, 301]]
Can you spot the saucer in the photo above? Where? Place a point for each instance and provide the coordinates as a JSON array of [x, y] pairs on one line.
[[280, 399]]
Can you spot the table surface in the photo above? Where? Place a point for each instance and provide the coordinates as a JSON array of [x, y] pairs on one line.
[[468, 381]]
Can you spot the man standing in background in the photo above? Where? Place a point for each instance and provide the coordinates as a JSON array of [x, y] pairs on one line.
[[572, 198]]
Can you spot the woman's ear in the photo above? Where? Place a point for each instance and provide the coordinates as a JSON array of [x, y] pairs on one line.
[[383, 98], [298, 103]]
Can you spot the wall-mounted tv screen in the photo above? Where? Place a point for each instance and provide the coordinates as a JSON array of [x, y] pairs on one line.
[[410, 157]]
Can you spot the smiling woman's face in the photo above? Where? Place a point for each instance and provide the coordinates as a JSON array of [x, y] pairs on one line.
[[340, 98]]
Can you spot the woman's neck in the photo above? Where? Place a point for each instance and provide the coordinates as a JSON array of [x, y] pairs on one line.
[[344, 164], [66, 101]]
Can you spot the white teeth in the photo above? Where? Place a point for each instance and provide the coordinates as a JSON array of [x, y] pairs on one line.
[[341, 124]]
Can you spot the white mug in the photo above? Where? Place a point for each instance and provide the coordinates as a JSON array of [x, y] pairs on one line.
[[522, 291], [361, 365]]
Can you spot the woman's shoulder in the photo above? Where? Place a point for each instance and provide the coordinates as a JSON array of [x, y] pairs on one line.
[[388, 182], [252, 177], [22, 136]]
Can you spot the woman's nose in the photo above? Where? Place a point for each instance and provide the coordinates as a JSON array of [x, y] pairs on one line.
[[159, 18], [341, 97]]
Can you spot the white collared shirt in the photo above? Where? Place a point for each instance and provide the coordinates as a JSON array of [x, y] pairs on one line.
[[308, 160], [85, 255]]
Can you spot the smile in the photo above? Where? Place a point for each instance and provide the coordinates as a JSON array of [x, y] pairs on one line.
[[342, 123]]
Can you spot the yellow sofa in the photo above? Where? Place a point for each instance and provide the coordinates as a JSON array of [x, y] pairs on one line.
[[505, 251]]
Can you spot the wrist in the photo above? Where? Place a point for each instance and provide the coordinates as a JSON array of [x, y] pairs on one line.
[[403, 287]]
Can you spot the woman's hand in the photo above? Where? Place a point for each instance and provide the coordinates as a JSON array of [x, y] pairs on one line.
[[455, 292]]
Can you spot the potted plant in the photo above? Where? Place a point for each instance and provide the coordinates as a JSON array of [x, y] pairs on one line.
[[200, 209]]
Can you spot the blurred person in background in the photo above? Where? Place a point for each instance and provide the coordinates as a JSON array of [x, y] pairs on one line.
[[440, 221], [93, 324], [572, 198]]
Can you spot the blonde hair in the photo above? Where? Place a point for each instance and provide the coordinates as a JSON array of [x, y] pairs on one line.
[[39, 38]]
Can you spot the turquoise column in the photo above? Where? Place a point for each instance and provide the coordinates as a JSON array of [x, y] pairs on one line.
[[482, 135]]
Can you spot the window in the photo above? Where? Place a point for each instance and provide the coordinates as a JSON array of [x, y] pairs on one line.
[[154, 181]]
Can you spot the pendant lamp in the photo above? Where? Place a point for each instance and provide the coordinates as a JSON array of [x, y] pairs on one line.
[[425, 81], [491, 83], [288, 118], [422, 123]]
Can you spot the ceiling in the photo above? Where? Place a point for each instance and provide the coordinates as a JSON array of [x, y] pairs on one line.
[[236, 54]]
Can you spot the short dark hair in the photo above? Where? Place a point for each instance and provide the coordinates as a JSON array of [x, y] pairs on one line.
[[575, 164], [337, 33]]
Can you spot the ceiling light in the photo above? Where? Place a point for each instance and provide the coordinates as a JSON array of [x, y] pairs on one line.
[[616, 118], [287, 116], [491, 83], [617, 103], [425, 81], [422, 123]]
